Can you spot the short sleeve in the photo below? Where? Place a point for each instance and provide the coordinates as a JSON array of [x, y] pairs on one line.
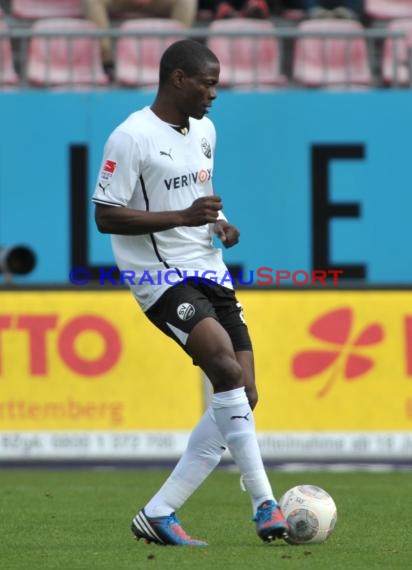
[[119, 170]]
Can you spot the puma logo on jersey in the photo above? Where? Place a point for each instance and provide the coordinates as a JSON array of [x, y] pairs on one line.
[[245, 417], [164, 153], [104, 187]]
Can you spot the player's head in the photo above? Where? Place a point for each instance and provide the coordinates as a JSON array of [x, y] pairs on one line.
[[189, 71], [190, 56]]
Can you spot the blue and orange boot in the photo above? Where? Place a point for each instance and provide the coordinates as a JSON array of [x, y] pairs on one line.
[[270, 522], [162, 530]]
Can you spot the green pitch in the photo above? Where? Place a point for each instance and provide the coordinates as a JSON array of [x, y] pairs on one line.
[[68, 520]]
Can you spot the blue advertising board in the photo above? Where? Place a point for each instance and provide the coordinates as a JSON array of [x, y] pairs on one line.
[[312, 179]]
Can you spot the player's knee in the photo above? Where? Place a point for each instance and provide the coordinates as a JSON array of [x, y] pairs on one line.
[[225, 373]]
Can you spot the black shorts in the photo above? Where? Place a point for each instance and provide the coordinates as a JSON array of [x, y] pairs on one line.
[[183, 305]]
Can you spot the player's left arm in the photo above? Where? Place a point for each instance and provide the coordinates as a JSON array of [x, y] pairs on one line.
[[229, 235]]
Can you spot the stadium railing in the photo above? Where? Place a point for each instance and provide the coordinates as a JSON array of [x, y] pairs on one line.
[[374, 38]]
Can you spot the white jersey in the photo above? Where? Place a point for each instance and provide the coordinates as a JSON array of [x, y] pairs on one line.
[[148, 165]]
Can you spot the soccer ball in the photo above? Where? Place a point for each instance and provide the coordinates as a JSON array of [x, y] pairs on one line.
[[310, 512]]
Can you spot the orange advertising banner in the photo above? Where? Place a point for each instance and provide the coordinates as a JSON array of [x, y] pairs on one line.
[[85, 374], [332, 360], [90, 361]]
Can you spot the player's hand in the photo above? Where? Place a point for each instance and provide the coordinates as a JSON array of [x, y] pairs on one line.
[[228, 234], [203, 211]]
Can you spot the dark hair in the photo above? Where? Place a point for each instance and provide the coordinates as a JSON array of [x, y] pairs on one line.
[[189, 55]]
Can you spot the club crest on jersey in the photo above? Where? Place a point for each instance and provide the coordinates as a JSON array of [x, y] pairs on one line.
[[185, 311], [206, 148]]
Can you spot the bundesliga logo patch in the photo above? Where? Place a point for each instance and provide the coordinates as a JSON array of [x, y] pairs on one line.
[[109, 166], [108, 169]]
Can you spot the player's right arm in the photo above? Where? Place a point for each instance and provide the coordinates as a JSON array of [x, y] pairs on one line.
[[127, 221], [117, 179]]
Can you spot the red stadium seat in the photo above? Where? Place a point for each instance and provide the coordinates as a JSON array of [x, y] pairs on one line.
[[293, 14], [8, 74], [388, 9], [331, 62], [35, 9], [246, 61], [395, 59], [61, 61], [137, 58]]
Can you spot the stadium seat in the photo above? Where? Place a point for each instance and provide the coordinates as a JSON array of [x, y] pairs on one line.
[[8, 74], [293, 14], [331, 62], [395, 59], [388, 9], [246, 61], [137, 58], [62, 61], [36, 9]]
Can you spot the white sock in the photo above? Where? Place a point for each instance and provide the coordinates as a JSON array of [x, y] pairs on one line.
[[235, 420], [203, 453]]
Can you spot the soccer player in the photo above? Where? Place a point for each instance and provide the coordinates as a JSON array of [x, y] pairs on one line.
[[154, 194]]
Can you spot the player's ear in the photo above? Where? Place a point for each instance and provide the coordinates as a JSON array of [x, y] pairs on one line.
[[178, 77]]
